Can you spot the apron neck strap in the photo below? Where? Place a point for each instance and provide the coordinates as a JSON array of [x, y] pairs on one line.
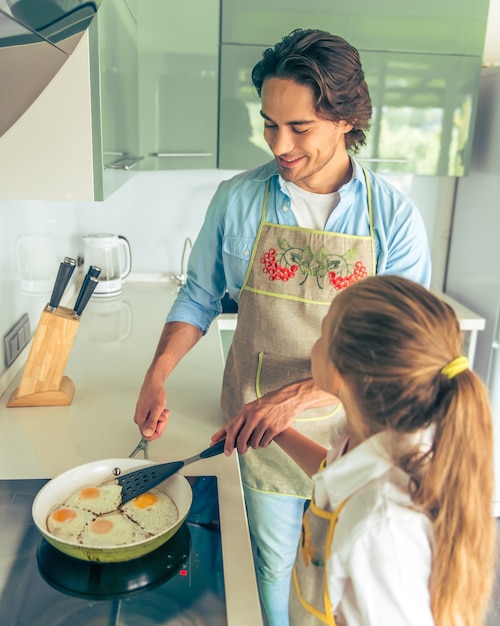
[[264, 202]]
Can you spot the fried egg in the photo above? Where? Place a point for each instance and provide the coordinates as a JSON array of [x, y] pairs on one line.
[[68, 522], [103, 499], [154, 511], [111, 530]]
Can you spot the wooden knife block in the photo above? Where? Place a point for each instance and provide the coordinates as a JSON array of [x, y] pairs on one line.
[[43, 382]]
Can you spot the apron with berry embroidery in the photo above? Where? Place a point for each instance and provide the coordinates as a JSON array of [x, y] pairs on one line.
[[293, 276], [310, 603]]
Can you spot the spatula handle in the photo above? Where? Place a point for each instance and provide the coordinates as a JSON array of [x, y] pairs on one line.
[[214, 450]]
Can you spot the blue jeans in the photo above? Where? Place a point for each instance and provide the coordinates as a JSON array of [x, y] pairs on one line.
[[275, 523]]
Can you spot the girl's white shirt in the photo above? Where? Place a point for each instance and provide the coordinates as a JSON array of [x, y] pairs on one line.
[[380, 563]]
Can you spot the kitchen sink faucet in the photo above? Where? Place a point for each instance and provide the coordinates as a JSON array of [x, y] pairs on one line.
[[181, 277]]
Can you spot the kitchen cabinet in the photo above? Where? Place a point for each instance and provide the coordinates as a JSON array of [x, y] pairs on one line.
[[114, 84], [242, 144], [79, 139], [423, 108], [444, 27], [178, 83], [423, 112], [422, 64]]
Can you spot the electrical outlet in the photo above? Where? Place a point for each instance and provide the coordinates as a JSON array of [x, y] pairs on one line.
[[16, 339]]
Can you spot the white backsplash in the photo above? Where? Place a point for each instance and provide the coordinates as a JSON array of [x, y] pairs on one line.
[[156, 211]]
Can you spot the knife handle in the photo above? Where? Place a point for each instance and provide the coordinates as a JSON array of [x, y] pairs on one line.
[[92, 271], [84, 295], [66, 269]]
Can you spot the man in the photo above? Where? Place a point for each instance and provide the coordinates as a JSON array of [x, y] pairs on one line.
[[283, 239]]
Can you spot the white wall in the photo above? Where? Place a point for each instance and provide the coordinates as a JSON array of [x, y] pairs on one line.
[[156, 211]]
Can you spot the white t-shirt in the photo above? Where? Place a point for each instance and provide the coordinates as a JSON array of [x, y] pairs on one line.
[[380, 563], [311, 210]]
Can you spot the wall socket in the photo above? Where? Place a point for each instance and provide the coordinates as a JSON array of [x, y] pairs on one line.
[[16, 339]]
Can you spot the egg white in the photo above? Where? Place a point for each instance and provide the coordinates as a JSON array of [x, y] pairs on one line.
[[121, 531], [105, 499], [68, 529], [156, 517]]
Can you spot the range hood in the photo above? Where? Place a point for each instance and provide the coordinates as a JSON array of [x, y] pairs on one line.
[[36, 38]]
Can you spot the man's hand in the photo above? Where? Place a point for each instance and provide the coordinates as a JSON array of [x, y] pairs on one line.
[[258, 422], [150, 413], [176, 340]]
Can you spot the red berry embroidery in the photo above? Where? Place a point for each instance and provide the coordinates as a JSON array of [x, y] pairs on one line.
[[341, 282], [276, 271], [284, 261]]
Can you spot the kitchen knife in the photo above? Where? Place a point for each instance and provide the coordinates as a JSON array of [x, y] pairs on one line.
[[86, 291], [92, 271], [66, 269]]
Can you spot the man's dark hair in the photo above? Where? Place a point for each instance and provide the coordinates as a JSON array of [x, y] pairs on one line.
[[331, 68]]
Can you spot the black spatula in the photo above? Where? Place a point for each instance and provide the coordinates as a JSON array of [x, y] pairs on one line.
[[141, 480]]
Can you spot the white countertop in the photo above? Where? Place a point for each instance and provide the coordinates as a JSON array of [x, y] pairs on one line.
[[41, 442], [468, 319]]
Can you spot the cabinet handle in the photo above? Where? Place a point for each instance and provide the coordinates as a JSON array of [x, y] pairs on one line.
[[124, 163], [171, 155], [375, 160]]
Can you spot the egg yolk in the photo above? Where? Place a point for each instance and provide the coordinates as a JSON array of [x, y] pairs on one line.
[[101, 526], [63, 515], [145, 500], [89, 493]]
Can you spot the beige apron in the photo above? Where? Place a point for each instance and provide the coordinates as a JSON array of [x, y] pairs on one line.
[[293, 275], [310, 603]]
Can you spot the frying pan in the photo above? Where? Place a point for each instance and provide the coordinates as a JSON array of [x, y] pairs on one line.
[[56, 491]]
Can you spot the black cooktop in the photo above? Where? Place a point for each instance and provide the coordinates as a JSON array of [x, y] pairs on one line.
[[179, 583]]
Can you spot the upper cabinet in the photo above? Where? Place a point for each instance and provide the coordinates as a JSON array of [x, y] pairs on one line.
[[429, 26], [422, 120], [114, 87], [159, 84], [79, 139], [241, 138], [422, 65], [178, 83], [423, 112]]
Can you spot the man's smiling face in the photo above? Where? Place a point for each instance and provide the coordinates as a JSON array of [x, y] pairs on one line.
[[308, 149]]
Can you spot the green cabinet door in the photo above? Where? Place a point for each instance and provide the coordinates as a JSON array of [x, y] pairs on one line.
[[444, 27], [424, 108], [114, 91], [178, 83], [241, 139], [423, 112]]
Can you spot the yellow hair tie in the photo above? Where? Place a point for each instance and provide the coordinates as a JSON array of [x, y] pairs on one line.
[[456, 366]]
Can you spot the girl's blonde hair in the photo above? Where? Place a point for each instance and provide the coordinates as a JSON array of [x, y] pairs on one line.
[[390, 338]]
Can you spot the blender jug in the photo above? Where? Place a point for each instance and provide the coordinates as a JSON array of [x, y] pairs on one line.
[[111, 253]]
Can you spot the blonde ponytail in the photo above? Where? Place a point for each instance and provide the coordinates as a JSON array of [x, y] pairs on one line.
[[457, 489]]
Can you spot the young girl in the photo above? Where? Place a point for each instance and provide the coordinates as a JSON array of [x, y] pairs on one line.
[[400, 530]]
